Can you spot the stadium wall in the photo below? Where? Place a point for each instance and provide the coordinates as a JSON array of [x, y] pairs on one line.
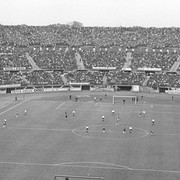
[[101, 88], [2, 91], [42, 89], [173, 91], [132, 88]]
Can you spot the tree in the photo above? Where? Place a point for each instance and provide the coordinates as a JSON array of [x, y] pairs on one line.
[[75, 24]]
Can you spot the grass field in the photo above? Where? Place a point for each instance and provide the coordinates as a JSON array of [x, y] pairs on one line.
[[42, 144]]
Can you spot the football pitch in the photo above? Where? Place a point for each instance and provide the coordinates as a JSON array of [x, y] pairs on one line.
[[43, 143]]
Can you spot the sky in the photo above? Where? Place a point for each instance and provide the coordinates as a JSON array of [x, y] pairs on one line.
[[109, 13]]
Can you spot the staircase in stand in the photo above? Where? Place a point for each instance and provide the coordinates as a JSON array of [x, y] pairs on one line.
[[175, 66], [25, 80], [79, 62], [145, 81], [104, 79], [31, 61], [64, 79], [127, 64]]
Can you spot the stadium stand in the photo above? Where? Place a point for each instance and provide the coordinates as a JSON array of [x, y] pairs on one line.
[[33, 53]]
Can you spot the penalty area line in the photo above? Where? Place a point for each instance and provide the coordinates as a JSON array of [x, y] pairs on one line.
[[60, 105], [13, 107]]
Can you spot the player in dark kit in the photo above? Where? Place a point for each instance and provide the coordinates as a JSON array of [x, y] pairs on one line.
[[73, 113], [103, 118], [130, 129], [153, 122], [104, 130], [124, 130], [87, 128], [66, 116], [17, 114]]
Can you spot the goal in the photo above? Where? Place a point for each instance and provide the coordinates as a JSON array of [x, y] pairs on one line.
[[123, 99], [70, 177]]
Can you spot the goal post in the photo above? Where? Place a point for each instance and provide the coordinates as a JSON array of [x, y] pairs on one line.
[[70, 177], [119, 99]]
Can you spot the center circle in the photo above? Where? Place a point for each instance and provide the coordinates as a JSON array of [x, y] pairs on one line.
[[112, 132]]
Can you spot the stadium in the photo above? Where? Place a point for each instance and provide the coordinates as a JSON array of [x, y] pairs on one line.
[[96, 98], [78, 103]]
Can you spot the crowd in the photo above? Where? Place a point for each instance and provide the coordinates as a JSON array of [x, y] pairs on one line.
[[109, 78], [53, 58], [54, 47], [92, 77], [103, 57], [23, 35], [13, 57], [168, 80], [163, 60], [44, 78], [7, 78], [126, 78]]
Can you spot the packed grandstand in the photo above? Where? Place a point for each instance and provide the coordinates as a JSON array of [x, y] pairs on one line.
[[58, 55]]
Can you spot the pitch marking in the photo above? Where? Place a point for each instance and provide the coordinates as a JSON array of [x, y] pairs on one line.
[[71, 164], [91, 137], [76, 130], [13, 107], [60, 105], [123, 112], [40, 129]]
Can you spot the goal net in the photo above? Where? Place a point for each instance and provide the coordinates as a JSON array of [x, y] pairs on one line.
[[125, 99], [70, 177]]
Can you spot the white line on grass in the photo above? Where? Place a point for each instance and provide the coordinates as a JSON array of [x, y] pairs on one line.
[[40, 129], [105, 138], [123, 112], [13, 107], [97, 163], [145, 132], [161, 134], [72, 164], [156, 170], [28, 164], [83, 109], [4, 104], [60, 105]]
